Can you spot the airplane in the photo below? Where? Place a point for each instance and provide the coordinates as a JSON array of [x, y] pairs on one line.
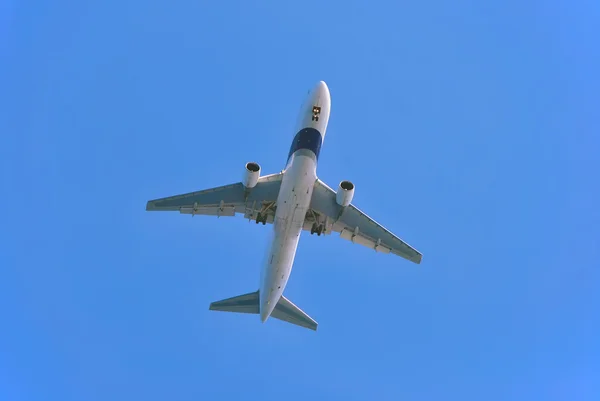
[[293, 200]]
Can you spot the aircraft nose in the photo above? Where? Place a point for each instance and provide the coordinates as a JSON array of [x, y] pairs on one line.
[[321, 90], [314, 112], [320, 95]]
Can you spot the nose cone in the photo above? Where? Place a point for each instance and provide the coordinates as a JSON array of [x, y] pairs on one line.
[[321, 94], [323, 86], [314, 112]]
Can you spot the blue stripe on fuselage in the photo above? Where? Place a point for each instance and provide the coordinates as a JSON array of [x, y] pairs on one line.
[[307, 138]]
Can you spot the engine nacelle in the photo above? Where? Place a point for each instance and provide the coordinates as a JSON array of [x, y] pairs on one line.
[[252, 174], [345, 193]]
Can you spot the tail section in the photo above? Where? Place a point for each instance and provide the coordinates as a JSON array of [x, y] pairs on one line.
[[249, 303]]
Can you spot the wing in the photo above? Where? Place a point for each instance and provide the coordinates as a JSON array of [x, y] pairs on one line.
[[226, 200], [354, 225]]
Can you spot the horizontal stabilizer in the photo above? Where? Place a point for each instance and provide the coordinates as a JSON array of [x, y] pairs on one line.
[[247, 303], [288, 312], [250, 303]]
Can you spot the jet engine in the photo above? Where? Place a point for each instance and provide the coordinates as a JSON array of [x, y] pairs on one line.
[[251, 174], [345, 193]]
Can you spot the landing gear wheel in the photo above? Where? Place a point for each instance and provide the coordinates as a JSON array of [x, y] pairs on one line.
[[317, 228], [261, 219]]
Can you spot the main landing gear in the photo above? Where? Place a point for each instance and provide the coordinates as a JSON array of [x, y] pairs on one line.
[[266, 209], [317, 228], [260, 218]]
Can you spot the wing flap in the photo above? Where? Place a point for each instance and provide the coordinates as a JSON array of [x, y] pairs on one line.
[[209, 210], [227, 194], [356, 237]]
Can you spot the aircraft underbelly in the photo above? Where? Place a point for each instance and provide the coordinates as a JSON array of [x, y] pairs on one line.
[[292, 204]]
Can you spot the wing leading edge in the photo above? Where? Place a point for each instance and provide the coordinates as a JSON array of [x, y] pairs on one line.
[[356, 226]]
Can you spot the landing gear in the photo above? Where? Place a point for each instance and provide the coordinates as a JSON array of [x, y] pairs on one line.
[[267, 208], [317, 228], [318, 224], [261, 219]]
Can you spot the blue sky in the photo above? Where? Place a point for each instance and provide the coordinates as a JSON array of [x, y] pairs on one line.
[[469, 128]]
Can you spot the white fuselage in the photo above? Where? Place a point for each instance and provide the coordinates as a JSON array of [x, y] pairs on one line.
[[294, 197]]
